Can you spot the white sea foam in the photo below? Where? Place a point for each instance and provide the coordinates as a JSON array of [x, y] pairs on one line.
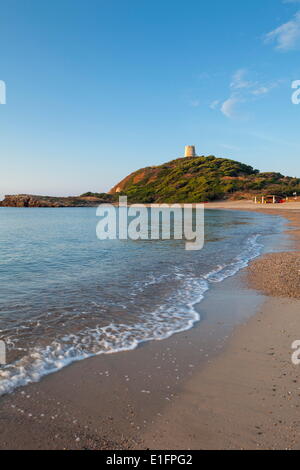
[[177, 314]]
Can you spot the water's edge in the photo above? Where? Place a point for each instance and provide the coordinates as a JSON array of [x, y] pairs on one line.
[[113, 338]]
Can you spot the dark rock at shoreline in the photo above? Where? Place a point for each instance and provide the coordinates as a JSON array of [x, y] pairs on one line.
[[29, 200]]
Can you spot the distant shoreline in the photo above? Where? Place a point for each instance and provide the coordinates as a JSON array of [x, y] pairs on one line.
[[32, 201]]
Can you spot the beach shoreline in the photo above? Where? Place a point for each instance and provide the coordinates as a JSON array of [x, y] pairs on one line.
[[132, 400]]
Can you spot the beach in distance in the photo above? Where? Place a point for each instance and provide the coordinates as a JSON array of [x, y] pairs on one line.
[[192, 351]]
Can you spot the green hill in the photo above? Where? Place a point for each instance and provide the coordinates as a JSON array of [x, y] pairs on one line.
[[199, 179]]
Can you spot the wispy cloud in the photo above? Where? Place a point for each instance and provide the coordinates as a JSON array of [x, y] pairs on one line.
[[229, 107], [242, 89], [239, 80], [287, 36], [264, 89], [261, 91], [238, 85]]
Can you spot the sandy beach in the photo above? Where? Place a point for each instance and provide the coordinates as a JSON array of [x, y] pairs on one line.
[[245, 205], [229, 384]]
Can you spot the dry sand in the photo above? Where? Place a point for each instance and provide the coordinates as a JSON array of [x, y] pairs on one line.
[[195, 390], [249, 205], [276, 274], [246, 398]]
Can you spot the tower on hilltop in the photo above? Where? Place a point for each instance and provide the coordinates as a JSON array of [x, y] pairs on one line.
[[190, 151]]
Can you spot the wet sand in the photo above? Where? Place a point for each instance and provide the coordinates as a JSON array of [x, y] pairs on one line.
[[110, 401], [228, 383]]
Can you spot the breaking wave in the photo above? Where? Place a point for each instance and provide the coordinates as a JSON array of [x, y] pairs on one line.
[[177, 313]]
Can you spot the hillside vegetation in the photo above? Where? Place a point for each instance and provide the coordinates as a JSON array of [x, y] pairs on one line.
[[30, 200], [200, 179]]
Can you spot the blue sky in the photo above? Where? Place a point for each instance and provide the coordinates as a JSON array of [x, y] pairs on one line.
[[97, 89]]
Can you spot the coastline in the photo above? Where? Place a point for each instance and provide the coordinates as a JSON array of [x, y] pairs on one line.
[[133, 399]]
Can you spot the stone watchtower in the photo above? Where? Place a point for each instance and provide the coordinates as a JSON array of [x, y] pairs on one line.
[[190, 151]]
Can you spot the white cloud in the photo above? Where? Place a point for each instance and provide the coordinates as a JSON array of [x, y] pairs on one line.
[[228, 108], [239, 81], [264, 89], [261, 91], [239, 84], [242, 90], [286, 36]]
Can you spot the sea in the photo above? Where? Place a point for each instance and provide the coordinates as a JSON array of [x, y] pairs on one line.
[[65, 295]]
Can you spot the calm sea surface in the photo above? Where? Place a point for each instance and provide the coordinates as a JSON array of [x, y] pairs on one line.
[[65, 295]]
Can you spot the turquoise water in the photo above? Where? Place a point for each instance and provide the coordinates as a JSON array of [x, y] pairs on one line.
[[65, 295]]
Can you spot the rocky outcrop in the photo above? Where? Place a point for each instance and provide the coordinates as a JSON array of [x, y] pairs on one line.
[[29, 200]]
